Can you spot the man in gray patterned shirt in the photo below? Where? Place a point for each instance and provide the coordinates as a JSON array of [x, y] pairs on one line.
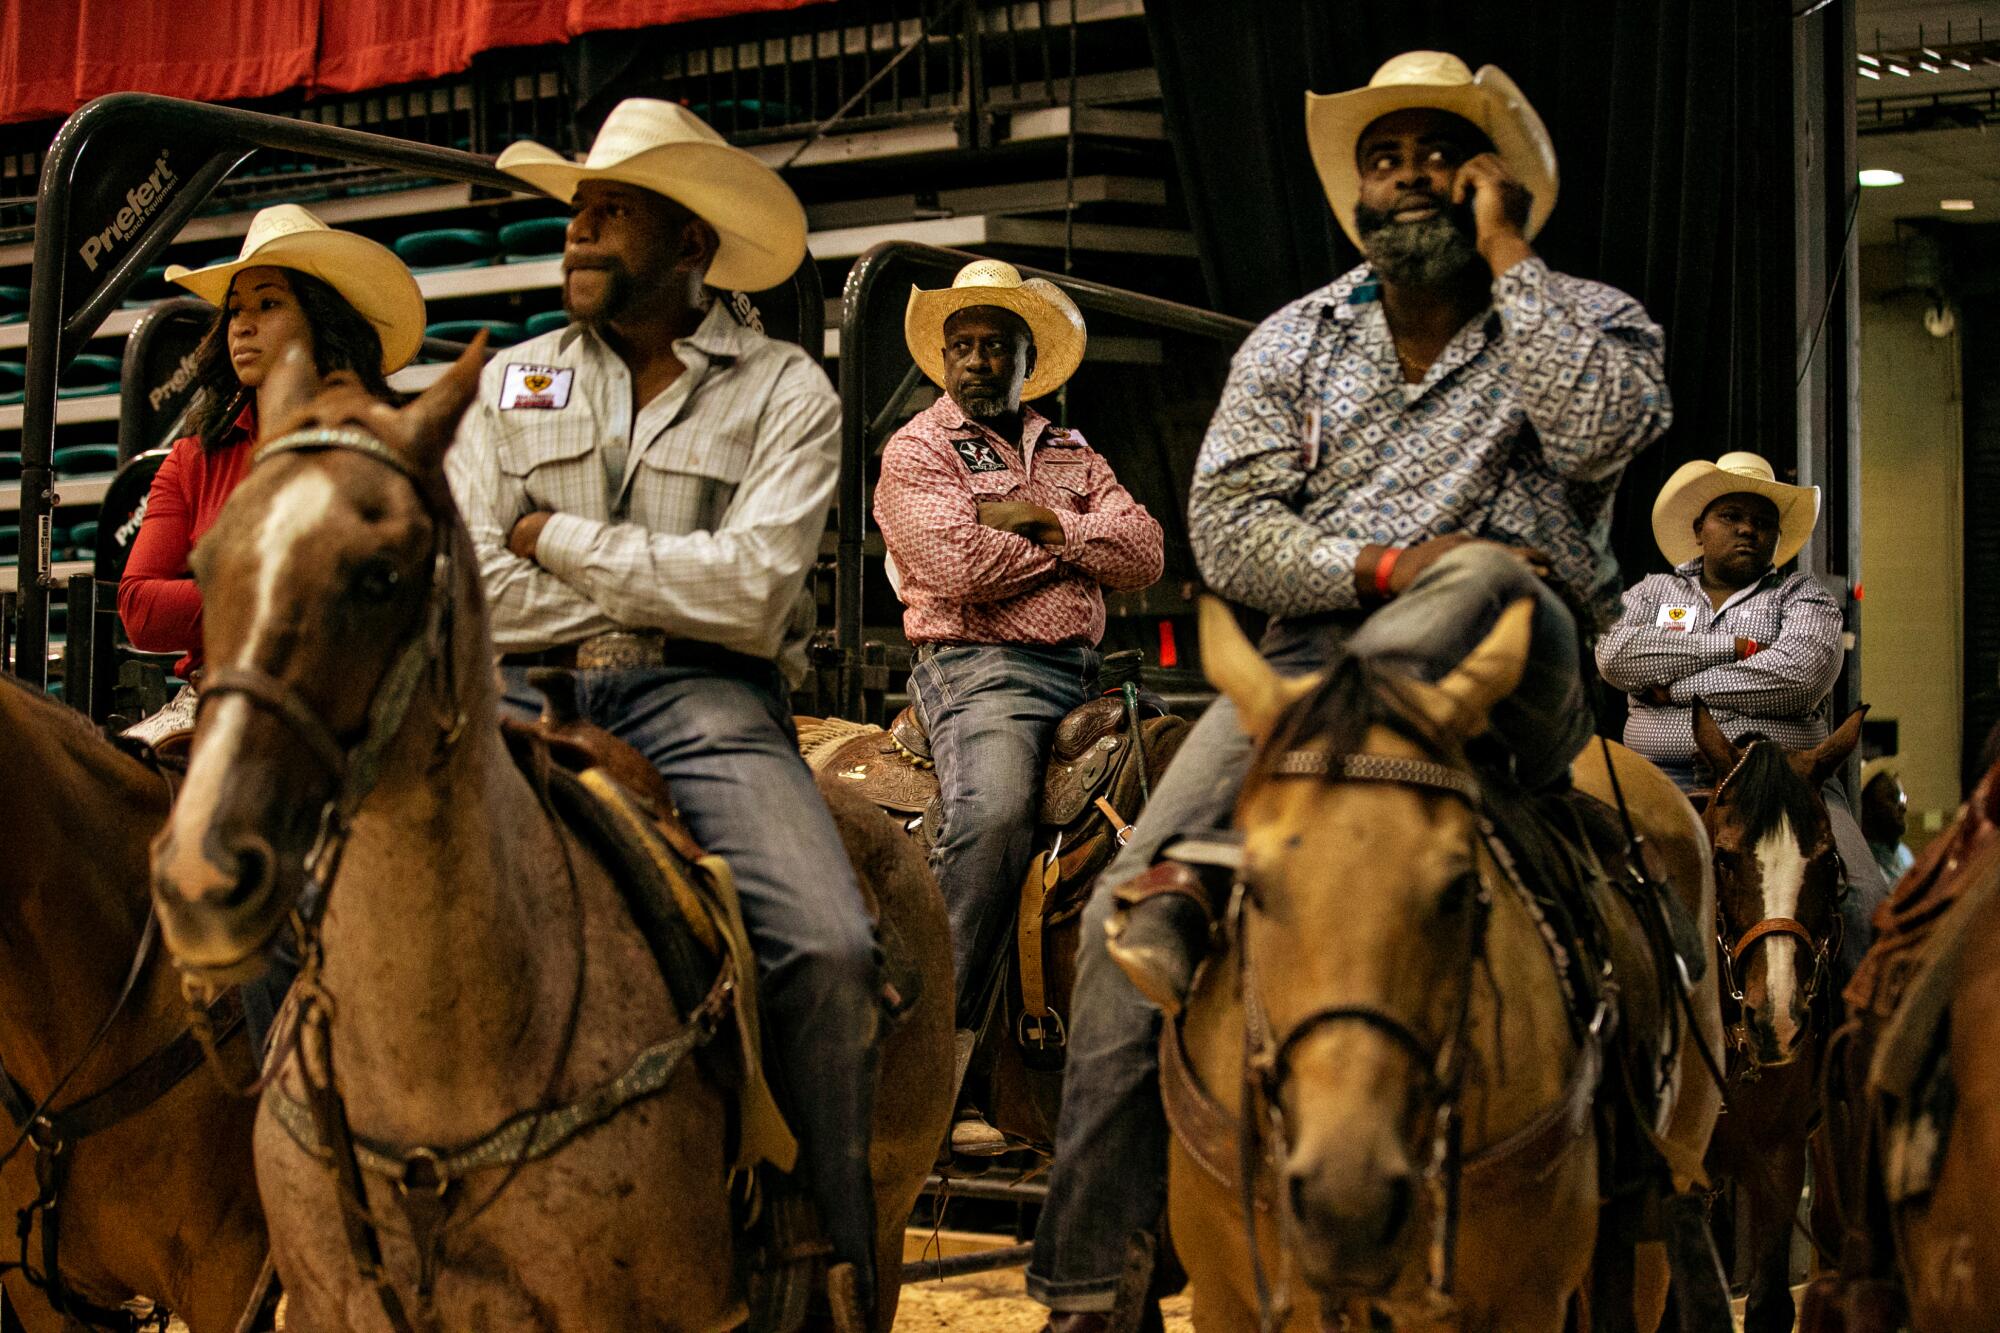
[[1397, 457], [1759, 648], [646, 490]]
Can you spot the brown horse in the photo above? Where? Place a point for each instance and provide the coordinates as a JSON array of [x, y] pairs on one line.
[[1381, 964], [1913, 1099], [1777, 886], [476, 963], [163, 1203]]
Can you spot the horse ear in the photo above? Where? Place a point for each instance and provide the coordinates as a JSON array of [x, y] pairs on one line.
[[1462, 703], [1716, 750], [1825, 759], [431, 421], [1235, 667], [292, 383]]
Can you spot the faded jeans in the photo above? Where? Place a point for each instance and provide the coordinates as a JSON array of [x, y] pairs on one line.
[[725, 744], [991, 712], [1108, 1182]]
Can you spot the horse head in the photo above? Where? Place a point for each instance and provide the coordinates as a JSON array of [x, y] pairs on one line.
[[1778, 879], [1362, 918], [328, 584]]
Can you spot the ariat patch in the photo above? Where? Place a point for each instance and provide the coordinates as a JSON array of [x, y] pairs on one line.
[[979, 456], [545, 387]]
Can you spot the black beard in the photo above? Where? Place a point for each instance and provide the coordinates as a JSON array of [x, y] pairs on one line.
[[983, 406], [617, 298], [1428, 253]]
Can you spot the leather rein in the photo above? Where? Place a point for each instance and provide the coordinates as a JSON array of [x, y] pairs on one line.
[[1733, 954]]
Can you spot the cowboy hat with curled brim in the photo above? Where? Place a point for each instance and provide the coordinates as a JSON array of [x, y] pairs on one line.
[[1437, 81], [666, 148], [367, 275], [1053, 321], [1697, 485]]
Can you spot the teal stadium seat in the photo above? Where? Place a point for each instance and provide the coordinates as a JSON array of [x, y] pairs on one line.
[[86, 460], [10, 539], [91, 373], [532, 239], [10, 465], [499, 332], [83, 538], [13, 304], [546, 322], [442, 248], [13, 381]]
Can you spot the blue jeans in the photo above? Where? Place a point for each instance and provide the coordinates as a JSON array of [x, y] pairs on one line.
[[1108, 1180], [991, 711], [725, 744]]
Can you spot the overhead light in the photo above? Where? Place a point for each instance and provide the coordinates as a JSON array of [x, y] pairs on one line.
[[1932, 54], [1928, 68], [1955, 205], [1898, 69], [1867, 59], [1868, 73], [1880, 176], [1960, 64]]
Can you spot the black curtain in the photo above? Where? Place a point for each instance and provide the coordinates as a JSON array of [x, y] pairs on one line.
[[1672, 121]]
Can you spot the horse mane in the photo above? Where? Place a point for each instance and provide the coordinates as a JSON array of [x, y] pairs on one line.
[[1351, 699], [30, 697], [1766, 789]]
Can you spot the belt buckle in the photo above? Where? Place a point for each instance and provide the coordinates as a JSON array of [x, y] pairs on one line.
[[620, 650]]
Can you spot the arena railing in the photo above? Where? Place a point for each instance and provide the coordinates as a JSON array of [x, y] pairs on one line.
[[124, 174], [876, 380]]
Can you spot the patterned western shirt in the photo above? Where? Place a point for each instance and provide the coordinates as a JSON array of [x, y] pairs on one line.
[[963, 582], [1671, 635], [1518, 432], [713, 520]]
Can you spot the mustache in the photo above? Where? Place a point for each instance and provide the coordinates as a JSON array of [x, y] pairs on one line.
[[1368, 220]]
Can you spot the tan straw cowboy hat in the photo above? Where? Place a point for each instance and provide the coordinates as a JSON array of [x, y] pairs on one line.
[[1441, 82], [666, 148], [1697, 485], [367, 275], [1053, 320]]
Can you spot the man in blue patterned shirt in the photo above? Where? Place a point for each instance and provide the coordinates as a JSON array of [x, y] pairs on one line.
[[1395, 459]]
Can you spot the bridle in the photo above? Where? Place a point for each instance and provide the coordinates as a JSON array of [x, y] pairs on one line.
[[1734, 955], [1440, 1062], [355, 768]]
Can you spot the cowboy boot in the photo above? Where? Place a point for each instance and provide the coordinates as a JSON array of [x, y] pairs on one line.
[[971, 1135], [852, 1308], [1161, 930]]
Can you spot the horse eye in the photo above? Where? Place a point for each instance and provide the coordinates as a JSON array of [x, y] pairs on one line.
[[377, 582], [1458, 893]]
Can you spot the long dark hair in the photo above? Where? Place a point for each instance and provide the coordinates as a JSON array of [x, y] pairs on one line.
[[342, 340]]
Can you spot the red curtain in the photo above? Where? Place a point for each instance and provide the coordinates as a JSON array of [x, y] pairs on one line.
[[55, 55]]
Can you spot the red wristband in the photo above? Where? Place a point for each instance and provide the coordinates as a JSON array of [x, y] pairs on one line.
[[1385, 565]]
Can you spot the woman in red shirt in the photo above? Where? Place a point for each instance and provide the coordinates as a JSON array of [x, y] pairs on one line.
[[345, 298]]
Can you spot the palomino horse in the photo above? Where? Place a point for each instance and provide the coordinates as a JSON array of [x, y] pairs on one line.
[[161, 1201], [477, 982], [1777, 887], [1397, 1021]]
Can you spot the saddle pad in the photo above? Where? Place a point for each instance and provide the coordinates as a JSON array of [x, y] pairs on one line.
[[686, 909], [878, 768]]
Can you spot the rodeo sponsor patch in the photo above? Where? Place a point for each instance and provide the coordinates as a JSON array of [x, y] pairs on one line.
[[544, 387], [1676, 617], [979, 456]]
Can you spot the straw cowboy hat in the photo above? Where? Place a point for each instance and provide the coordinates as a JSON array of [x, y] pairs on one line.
[[1438, 81], [1052, 318], [666, 148], [367, 275], [1882, 765], [1697, 485]]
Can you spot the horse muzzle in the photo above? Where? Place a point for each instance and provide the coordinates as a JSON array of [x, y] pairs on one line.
[[219, 902], [1354, 1234]]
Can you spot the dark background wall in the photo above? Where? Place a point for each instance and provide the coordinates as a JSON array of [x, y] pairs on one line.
[[1673, 125]]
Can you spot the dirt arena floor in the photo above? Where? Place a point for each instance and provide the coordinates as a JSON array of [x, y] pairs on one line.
[[991, 1303]]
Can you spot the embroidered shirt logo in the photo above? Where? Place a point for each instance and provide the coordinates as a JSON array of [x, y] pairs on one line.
[[1676, 617], [979, 456], [545, 387]]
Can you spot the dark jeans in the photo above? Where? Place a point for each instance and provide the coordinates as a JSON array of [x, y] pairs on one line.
[[1108, 1180], [991, 711], [725, 744]]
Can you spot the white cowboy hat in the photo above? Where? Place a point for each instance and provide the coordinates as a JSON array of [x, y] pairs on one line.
[[367, 275], [1052, 318], [1441, 82], [1697, 485], [1877, 767], [666, 148]]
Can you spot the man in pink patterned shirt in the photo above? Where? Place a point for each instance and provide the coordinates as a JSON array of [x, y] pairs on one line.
[[1003, 529]]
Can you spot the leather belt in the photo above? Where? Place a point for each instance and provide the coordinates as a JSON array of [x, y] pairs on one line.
[[628, 650]]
